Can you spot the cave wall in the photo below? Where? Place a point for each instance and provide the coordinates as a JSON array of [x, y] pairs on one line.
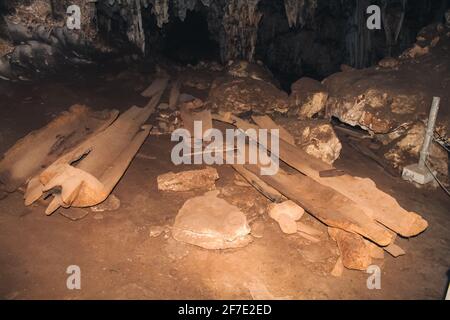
[[293, 38]]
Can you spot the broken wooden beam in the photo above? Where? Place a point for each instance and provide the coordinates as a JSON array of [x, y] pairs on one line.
[[266, 190], [38, 149], [86, 175], [326, 204], [267, 123], [362, 191]]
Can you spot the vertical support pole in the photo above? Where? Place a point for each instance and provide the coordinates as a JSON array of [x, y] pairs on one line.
[[429, 132]]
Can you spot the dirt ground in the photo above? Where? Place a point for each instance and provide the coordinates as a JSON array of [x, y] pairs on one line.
[[119, 260]]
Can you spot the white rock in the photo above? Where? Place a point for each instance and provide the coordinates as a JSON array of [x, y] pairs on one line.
[[286, 214], [188, 180], [288, 208], [211, 223], [321, 142], [308, 97]]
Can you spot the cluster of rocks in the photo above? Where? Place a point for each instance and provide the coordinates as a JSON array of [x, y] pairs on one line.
[[249, 88], [385, 102]]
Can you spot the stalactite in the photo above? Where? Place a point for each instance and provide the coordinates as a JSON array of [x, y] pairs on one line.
[[240, 22], [135, 30], [359, 37], [182, 6], [161, 11], [297, 11]]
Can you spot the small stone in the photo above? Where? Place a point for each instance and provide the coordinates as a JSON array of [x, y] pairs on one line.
[[287, 224], [338, 268], [188, 180], [353, 250], [388, 62], [110, 204], [163, 127], [98, 216], [286, 214], [257, 229], [156, 231], [287, 208], [415, 52]]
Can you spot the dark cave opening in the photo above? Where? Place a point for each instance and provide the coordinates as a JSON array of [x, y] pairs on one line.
[[189, 41]]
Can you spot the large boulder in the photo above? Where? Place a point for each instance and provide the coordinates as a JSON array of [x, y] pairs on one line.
[[240, 95], [380, 99], [211, 223], [245, 69], [315, 137], [392, 100], [308, 98]]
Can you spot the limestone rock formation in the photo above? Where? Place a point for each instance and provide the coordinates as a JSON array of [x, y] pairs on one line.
[[245, 69], [307, 98], [316, 137], [384, 101], [244, 94]]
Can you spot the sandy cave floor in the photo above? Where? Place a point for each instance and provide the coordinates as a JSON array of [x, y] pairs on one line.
[[119, 260]]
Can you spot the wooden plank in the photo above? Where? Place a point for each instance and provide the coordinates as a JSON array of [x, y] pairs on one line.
[[327, 205], [37, 150], [269, 192], [363, 191], [267, 123], [394, 250], [174, 95], [86, 175], [371, 155]]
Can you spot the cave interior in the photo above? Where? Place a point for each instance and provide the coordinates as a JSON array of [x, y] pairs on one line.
[[93, 95]]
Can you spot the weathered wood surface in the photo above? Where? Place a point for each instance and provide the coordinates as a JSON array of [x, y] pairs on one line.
[[362, 191], [156, 86], [174, 95], [86, 175], [269, 192], [267, 123], [37, 150], [326, 204]]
